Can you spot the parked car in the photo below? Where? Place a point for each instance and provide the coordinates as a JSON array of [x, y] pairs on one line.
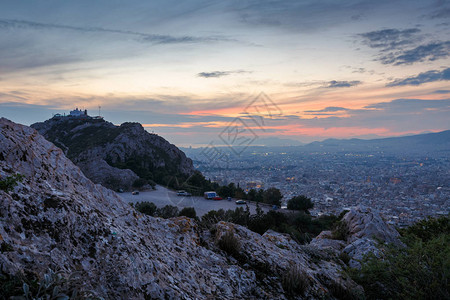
[[181, 193], [217, 198], [239, 202], [135, 193], [120, 190]]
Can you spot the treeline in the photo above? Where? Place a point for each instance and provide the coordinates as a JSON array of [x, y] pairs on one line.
[[197, 184], [300, 225]]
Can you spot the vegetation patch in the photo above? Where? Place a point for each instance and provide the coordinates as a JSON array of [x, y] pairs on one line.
[[10, 182], [230, 244], [295, 281], [340, 230], [418, 271], [52, 285]]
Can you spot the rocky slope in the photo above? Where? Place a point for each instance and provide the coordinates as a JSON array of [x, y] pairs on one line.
[[361, 229], [115, 156], [57, 218]]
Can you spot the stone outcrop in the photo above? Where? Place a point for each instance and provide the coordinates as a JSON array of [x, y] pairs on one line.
[[57, 218], [115, 156], [364, 229]]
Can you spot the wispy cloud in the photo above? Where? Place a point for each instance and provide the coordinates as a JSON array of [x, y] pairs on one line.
[[394, 46], [429, 52], [389, 39], [339, 84], [145, 37], [441, 92], [430, 76], [216, 74], [328, 109], [409, 105]]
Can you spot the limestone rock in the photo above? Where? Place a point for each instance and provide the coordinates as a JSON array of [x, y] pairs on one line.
[[57, 218], [99, 148], [365, 229]]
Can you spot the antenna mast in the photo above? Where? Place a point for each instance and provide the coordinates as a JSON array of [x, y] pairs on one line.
[[99, 107]]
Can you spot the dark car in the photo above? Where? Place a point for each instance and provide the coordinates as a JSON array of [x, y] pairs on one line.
[[135, 193], [238, 202]]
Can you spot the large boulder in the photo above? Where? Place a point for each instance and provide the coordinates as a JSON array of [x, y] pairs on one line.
[[361, 229]]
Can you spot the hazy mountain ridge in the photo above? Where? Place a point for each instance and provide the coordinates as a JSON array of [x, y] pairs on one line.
[[422, 143], [115, 156], [437, 143]]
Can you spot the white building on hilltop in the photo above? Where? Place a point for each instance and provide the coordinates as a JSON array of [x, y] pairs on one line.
[[78, 113]]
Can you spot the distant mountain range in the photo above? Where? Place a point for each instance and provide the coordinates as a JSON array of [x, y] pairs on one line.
[[421, 144], [427, 143], [277, 142]]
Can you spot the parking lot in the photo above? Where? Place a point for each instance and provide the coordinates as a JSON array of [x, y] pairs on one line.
[[163, 196]]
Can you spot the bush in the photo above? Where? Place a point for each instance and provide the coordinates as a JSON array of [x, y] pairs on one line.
[[212, 217], [295, 281], [10, 182], [339, 291], [53, 285], [272, 196], [166, 212], [300, 203], [138, 183], [148, 208], [340, 231], [188, 212], [230, 244], [418, 271]]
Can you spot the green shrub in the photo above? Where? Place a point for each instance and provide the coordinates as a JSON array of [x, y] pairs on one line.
[[52, 285], [340, 231], [295, 281], [300, 203], [166, 212], [344, 257], [339, 291], [139, 183], [10, 182], [5, 247], [188, 212], [418, 271], [148, 208], [230, 244]]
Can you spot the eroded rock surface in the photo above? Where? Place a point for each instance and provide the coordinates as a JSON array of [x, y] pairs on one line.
[[57, 218], [364, 228], [104, 151]]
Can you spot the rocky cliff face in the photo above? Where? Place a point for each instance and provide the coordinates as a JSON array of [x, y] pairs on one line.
[[115, 156], [362, 228], [57, 218]]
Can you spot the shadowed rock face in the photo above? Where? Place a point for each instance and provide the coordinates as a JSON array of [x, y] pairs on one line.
[[99, 148], [364, 230], [57, 218]]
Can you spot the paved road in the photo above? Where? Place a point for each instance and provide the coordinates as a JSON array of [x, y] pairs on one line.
[[162, 196]]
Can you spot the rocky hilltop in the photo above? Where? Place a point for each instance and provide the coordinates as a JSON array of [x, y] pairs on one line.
[[57, 219], [115, 156]]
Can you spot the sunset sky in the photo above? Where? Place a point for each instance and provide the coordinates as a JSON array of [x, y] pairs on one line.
[[307, 70]]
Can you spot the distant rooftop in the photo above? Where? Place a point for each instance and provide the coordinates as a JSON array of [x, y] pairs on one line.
[[77, 113]]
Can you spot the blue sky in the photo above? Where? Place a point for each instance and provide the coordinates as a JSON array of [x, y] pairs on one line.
[[187, 69]]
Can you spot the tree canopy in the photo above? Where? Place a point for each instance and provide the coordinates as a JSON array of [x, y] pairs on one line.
[[300, 203]]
